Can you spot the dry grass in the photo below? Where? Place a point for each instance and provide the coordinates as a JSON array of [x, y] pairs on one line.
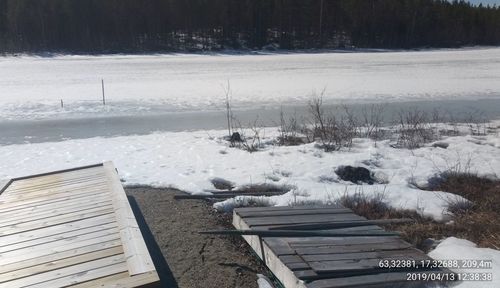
[[477, 221]]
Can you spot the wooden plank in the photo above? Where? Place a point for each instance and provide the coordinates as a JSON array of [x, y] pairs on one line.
[[93, 273], [370, 228], [297, 266], [84, 248], [121, 280], [48, 248], [410, 253], [60, 197], [56, 230], [298, 260], [54, 213], [264, 251], [335, 241], [353, 248], [137, 255], [60, 263], [20, 183], [52, 278], [104, 281], [291, 259], [70, 227], [87, 168], [365, 266], [248, 214], [286, 208], [342, 224], [41, 209], [62, 236], [54, 183], [279, 246], [47, 193], [300, 219], [4, 184], [13, 229]]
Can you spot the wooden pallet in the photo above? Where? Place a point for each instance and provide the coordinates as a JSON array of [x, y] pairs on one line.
[[326, 262], [71, 228]]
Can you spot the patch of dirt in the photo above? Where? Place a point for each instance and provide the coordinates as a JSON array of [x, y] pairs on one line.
[[185, 258]]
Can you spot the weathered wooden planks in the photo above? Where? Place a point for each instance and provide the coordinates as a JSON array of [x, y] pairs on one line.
[[322, 262], [72, 227]]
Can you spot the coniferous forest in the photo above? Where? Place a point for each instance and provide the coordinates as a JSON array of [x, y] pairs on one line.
[[136, 26]]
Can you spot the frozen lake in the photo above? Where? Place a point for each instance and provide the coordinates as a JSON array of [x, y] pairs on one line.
[[32, 87], [36, 131], [186, 92]]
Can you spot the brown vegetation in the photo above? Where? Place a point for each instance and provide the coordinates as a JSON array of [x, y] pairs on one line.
[[476, 220]]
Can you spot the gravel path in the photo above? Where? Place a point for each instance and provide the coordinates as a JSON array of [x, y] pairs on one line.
[[183, 257]]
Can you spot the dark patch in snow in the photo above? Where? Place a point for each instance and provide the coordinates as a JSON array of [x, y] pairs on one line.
[[443, 145], [222, 184], [356, 175]]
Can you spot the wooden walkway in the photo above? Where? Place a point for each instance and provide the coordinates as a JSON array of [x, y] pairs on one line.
[[71, 228], [326, 262]]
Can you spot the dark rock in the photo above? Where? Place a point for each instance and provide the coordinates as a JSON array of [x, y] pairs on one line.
[[355, 175], [236, 137], [443, 145], [222, 184]]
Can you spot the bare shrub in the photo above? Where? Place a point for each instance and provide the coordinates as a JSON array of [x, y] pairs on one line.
[[250, 137], [372, 121], [334, 132], [413, 128], [459, 206], [476, 120], [370, 206], [227, 100], [289, 130]]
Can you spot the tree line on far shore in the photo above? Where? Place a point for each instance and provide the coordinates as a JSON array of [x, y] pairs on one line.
[[137, 26]]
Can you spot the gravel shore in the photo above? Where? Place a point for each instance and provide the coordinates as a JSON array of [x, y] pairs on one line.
[[183, 257]]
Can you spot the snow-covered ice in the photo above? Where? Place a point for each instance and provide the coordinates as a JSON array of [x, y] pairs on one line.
[[32, 87]]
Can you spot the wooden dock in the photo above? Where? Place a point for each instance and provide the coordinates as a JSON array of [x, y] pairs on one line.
[[326, 262], [71, 228]]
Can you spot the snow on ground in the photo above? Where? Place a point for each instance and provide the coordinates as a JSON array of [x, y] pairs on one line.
[[459, 249], [32, 87], [188, 160]]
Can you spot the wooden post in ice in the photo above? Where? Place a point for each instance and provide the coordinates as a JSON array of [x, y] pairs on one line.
[[62, 104], [103, 98]]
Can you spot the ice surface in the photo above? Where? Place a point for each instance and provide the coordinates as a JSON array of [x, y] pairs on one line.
[[32, 87]]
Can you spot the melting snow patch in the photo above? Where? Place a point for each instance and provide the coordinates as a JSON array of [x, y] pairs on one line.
[[462, 250]]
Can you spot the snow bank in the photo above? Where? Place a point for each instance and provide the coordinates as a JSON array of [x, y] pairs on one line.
[[459, 249], [33, 86], [189, 160]]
